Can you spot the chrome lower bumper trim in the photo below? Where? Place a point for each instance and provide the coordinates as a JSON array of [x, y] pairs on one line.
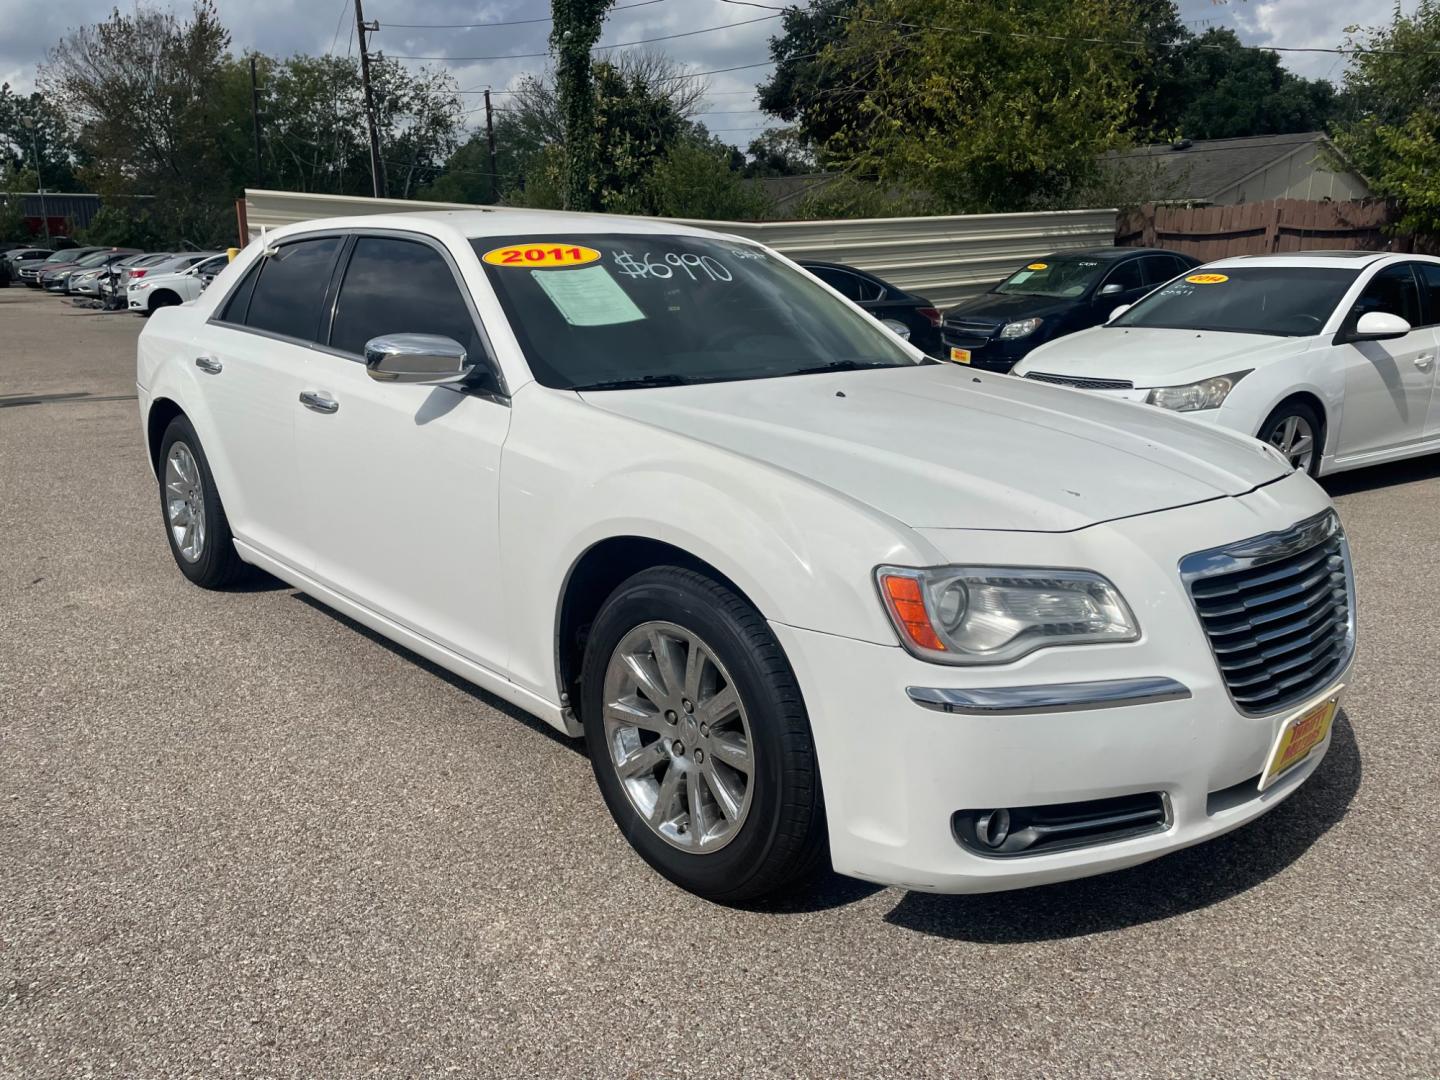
[[1054, 697]]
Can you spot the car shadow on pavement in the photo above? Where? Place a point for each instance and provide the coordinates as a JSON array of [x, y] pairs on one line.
[[1194, 878], [1376, 477], [484, 697]]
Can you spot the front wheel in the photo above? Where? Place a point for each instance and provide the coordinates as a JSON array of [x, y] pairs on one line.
[[699, 738], [1294, 430]]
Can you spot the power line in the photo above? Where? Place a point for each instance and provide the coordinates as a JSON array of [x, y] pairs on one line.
[[598, 48], [505, 22]]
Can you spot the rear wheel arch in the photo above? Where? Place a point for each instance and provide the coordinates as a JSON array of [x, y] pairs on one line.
[[594, 576]]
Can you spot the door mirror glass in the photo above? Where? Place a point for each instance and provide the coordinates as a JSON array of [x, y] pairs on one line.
[[428, 359], [1119, 311], [1114, 288], [1379, 326]]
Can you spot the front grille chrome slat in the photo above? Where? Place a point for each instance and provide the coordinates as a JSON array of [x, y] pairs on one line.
[[1278, 610], [1080, 382]]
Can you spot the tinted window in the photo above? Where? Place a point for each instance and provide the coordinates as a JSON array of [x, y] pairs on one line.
[[291, 289], [1394, 292], [1290, 301], [1430, 279], [1160, 268], [234, 310], [1126, 275], [400, 287], [660, 309], [1054, 275], [843, 282]]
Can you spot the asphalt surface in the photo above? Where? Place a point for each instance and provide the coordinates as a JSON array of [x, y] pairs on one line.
[[242, 836]]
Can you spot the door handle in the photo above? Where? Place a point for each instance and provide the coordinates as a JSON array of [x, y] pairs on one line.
[[1424, 361], [208, 364], [319, 401]]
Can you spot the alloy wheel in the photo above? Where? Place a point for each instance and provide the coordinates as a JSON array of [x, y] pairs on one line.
[[678, 737], [1295, 438], [185, 502]]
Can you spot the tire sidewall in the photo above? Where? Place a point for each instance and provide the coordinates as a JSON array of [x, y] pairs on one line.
[[1300, 409], [726, 870], [212, 562]]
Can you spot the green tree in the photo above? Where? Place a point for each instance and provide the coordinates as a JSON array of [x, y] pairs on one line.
[[779, 151], [574, 31], [1391, 133], [34, 122], [695, 179], [1008, 115], [114, 226], [816, 85]]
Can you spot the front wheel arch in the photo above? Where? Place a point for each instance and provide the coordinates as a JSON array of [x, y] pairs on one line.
[[1314, 405]]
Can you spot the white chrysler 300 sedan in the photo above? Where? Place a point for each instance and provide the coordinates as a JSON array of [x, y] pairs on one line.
[[803, 590], [1327, 355]]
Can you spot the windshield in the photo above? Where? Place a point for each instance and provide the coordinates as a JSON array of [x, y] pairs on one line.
[[61, 256], [1056, 275], [93, 260], [1286, 301], [609, 312]]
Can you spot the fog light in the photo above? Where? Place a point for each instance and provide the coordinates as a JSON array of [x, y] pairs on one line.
[[992, 828]]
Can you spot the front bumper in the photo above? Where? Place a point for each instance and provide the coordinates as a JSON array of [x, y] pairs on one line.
[[989, 354], [896, 770]]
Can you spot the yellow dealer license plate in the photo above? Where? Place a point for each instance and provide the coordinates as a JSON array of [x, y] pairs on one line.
[[960, 356], [1299, 737]]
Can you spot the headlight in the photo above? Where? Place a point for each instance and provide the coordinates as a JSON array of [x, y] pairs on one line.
[[1205, 394], [995, 614], [138, 285], [1023, 328]]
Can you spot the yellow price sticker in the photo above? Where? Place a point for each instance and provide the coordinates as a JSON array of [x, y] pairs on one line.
[[1038, 266], [555, 253], [1206, 279]]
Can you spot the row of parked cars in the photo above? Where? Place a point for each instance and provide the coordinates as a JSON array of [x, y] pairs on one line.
[[1327, 355], [141, 281]]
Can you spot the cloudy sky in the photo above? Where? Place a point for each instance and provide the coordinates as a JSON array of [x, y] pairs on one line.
[[739, 37]]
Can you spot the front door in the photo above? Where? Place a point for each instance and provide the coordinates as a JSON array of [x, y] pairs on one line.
[[402, 481], [1387, 383]]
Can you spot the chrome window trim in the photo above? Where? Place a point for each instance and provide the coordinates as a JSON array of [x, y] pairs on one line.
[[1260, 551], [1050, 697]]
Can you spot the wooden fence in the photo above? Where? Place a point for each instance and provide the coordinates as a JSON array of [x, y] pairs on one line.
[[1259, 228]]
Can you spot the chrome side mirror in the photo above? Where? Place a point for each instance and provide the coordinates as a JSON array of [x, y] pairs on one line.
[[427, 359], [896, 327], [1112, 289]]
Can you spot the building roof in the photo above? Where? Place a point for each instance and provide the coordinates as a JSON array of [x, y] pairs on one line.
[[1204, 168]]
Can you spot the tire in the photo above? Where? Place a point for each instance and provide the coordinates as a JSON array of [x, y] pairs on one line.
[[1289, 427], [185, 478], [162, 299], [777, 838]]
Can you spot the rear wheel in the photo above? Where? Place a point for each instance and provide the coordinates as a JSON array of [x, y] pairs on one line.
[[699, 738], [195, 522], [1295, 430], [161, 299]]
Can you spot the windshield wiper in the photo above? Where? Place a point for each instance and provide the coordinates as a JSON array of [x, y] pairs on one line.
[[841, 365], [635, 381]]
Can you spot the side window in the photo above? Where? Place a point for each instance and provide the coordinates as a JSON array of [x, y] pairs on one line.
[[1393, 291], [234, 310], [1126, 275], [1430, 282], [843, 282], [1158, 269], [290, 291], [400, 287]]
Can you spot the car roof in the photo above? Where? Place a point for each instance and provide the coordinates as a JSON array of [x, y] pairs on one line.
[[481, 223], [1108, 253], [1355, 259]]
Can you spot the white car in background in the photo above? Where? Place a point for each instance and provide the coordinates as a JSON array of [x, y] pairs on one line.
[[160, 287], [1327, 355], [662, 488]]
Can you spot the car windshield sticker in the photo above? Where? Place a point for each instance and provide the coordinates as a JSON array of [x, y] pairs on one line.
[[555, 253], [702, 268], [1022, 275], [588, 297], [1038, 266], [1206, 279]]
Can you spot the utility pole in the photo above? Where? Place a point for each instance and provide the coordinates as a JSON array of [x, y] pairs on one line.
[[490, 139], [377, 167], [255, 122], [29, 122]]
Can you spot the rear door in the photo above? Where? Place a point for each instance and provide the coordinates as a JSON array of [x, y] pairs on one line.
[[1130, 276], [1430, 293], [402, 480], [1388, 384], [254, 356]]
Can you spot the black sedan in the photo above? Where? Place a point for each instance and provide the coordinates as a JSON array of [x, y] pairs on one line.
[[912, 317], [1052, 296]]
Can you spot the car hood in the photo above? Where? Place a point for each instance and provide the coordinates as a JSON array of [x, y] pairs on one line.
[[1007, 308], [937, 446], [1156, 357]]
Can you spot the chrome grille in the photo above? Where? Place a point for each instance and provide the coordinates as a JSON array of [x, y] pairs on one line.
[[1081, 382], [1279, 611], [972, 327]]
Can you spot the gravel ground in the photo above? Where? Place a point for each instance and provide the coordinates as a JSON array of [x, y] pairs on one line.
[[242, 836]]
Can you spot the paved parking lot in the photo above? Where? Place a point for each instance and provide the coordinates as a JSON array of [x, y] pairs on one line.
[[240, 835]]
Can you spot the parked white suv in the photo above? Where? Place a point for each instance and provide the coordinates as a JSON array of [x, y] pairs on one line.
[[796, 584], [1330, 356], [159, 288]]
